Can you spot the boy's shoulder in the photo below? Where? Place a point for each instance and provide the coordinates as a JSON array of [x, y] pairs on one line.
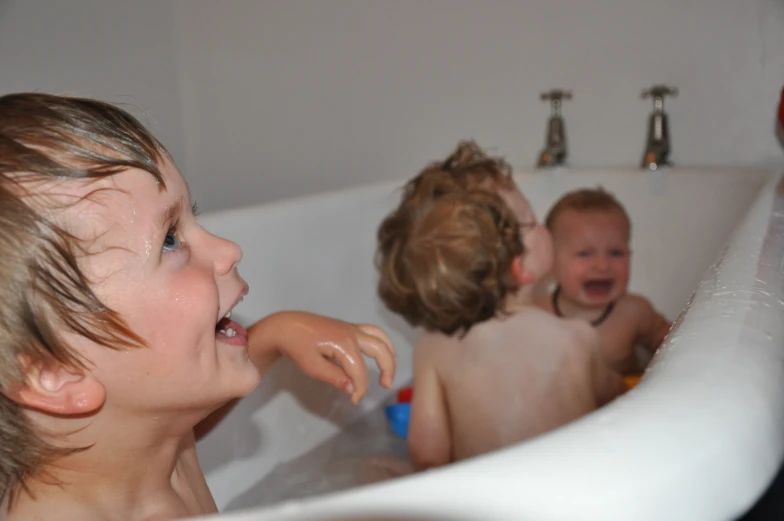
[[541, 324], [526, 322]]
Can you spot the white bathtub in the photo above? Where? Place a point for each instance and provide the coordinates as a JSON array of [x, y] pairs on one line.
[[699, 439]]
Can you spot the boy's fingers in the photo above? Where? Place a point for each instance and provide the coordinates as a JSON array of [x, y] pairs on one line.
[[331, 374], [383, 354], [353, 365], [379, 333]]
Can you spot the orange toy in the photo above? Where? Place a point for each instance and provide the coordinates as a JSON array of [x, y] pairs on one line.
[[631, 380]]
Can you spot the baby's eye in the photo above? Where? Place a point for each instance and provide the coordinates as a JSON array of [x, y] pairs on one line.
[[617, 253], [583, 253], [171, 242]]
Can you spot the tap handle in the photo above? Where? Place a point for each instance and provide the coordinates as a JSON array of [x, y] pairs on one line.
[[658, 93], [555, 96]]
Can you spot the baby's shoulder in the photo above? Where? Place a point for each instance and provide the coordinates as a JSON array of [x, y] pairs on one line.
[[639, 306]]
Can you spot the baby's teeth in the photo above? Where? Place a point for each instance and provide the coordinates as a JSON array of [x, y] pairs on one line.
[[230, 332]]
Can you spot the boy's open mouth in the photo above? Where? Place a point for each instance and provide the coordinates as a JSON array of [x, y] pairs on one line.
[[229, 331], [598, 287]]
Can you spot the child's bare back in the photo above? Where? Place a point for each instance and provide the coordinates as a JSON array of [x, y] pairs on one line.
[[507, 380]]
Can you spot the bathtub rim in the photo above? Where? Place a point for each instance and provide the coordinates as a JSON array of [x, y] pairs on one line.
[[396, 184]]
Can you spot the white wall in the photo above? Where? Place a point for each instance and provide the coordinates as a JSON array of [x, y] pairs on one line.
[[297, 96], [263, 99], [110, 49]]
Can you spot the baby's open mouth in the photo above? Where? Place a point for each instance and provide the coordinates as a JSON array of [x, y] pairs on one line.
[[598, 287]]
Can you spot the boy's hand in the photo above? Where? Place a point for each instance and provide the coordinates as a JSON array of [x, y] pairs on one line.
[[327, 349]]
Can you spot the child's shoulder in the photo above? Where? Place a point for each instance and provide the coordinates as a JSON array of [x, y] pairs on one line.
[[551, 328], [580, 332], [637, 304]]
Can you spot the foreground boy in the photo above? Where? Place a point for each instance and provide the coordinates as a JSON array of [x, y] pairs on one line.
[[115, 331]]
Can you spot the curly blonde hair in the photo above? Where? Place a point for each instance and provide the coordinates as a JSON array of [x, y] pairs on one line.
[[445, 254]]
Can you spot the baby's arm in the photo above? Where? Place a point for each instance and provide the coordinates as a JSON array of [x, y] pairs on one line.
[[654, 327], [608, 384], [429, 440]]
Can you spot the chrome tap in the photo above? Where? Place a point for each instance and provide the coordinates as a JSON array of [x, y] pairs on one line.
[[554, 152], [657, 145]]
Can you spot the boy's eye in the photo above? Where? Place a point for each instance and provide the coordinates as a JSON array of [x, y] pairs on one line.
[[171, 242]]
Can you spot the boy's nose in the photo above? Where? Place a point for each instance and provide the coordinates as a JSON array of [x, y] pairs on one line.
[[227, 255]]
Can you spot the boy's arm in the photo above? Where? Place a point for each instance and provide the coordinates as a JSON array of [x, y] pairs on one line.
[[324, 348], [429, 439]]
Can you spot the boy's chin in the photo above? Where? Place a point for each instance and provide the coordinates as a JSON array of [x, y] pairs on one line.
[[243, 383], [238, 369]]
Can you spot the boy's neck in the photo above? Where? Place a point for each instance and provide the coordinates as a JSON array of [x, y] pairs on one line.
[[135, 465], [523, 297]]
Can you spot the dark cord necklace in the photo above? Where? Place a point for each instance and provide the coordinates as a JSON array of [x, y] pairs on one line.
[[595, 322]]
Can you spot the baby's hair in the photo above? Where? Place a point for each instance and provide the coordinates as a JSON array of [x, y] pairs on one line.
[[45, 138], [445, 254], [586, 200]]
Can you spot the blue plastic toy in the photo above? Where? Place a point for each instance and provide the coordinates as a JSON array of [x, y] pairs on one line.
[[398, 415]]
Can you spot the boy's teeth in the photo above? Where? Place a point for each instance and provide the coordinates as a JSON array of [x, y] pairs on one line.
[[229, 332]]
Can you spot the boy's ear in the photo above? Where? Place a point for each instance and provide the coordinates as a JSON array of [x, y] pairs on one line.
[[59, 390], [521, 272]]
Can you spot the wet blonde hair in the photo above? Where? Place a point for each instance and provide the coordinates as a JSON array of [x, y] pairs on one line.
[[445, 254], [586, 200], [44, 293]]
